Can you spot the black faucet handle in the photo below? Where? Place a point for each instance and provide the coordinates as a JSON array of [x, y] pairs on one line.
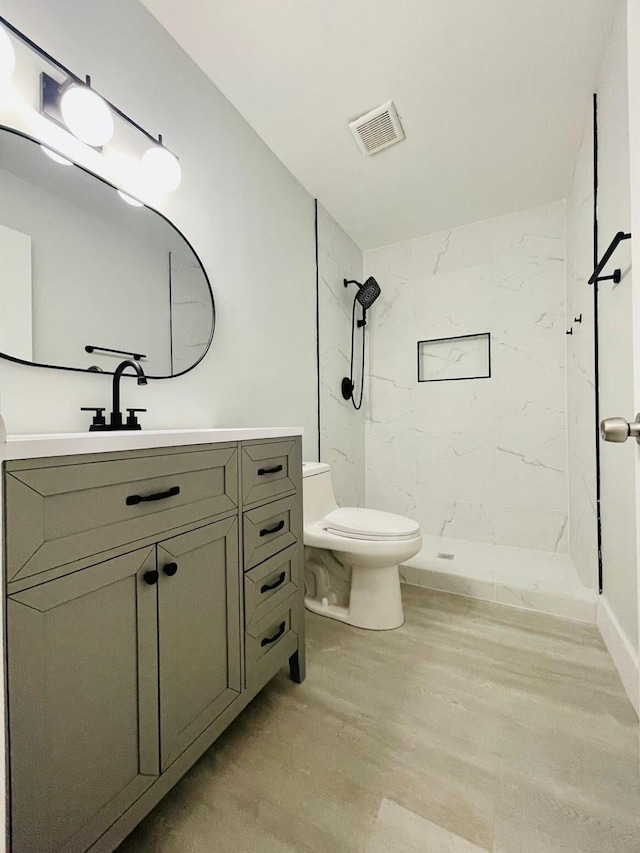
[[132, 421], [98, 418]]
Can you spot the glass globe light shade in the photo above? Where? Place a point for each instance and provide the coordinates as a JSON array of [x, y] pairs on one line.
[[7, 55], [57, 158], [86, 115], [161, 169], [130, 200]]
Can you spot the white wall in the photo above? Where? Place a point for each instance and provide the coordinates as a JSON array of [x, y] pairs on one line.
[[190, 313], [619, 512], [616, 359], [249, 220], [16, 317], [633, 66], [93, 282], [342, 427], [481, 459]]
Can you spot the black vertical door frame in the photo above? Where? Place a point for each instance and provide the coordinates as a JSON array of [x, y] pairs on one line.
[[596, 341], [317, 323]]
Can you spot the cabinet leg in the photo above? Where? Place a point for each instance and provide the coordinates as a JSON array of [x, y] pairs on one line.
[[297, 667]]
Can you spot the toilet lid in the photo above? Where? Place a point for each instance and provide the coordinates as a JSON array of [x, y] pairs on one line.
[[358, 523]]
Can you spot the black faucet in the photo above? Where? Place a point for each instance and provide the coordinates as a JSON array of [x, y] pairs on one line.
[[115, 421]]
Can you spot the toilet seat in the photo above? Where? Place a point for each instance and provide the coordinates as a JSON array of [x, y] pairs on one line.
[[369, 524]]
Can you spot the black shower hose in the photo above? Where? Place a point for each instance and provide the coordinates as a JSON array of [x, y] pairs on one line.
[[357, 406]]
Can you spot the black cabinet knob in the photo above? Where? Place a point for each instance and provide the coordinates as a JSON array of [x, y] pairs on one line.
[[170, 569], [151, 577]]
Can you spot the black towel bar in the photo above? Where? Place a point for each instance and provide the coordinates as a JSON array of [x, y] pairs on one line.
[[613, 245]]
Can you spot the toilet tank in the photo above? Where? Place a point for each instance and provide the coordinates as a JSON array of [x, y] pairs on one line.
[[317, 491]]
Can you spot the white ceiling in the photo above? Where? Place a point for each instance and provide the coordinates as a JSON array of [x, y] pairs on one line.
[[494, 97]]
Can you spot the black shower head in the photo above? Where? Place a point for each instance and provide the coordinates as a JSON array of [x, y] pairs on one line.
[[367, 292]]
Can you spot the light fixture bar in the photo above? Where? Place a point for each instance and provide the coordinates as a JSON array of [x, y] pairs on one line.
[[157, 140], [50, 92]]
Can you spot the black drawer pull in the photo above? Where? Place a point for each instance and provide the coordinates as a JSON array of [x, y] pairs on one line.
[[132, 500], [263, 471], [275, 584], [275, 529], [276, 636], [170, 569], [150, 577]]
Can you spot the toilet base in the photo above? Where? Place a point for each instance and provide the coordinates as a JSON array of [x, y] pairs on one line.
[[375, 602]]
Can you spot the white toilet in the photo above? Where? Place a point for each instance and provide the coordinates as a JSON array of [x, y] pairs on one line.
[[365, 543]]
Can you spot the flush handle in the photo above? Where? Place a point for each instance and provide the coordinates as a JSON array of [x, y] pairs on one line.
[[619, 430]]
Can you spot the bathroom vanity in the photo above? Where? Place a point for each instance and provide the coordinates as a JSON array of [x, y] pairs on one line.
[[153, 586]]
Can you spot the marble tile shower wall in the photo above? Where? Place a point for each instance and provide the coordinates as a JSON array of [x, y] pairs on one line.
[[483, 459], [342, 429], [580, 370]]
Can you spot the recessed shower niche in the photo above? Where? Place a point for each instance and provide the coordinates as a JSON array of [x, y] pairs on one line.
[[463, 357], [84, 271]]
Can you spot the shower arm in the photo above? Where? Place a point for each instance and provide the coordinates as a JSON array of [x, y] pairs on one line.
[[363, 322]]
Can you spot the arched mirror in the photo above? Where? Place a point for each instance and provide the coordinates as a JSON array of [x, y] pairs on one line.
[[87, 278]]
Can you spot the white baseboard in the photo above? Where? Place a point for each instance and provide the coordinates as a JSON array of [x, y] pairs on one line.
[[621, 650]]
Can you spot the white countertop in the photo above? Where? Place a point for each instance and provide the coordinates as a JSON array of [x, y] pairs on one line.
[[68, 444]]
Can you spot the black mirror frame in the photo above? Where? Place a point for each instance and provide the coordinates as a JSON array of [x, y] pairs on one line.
[[153, 210]]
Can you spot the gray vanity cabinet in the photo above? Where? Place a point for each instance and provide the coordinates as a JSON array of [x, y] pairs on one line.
[[148, 601], [199, 640], [104, 660], [83, 721]]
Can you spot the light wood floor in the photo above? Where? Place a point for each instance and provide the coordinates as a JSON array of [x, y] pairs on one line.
[[474, 727]]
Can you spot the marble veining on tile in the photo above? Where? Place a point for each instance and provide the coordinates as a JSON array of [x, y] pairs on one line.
[[490, 456]]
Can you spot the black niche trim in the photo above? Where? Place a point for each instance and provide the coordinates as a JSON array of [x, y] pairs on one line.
[[486, 335]]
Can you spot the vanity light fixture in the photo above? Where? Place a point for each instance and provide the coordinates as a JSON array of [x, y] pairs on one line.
[[57, 158], [7, 55], [76, 107], [73, 104], [130, 200], [86, 114], [161, 168]]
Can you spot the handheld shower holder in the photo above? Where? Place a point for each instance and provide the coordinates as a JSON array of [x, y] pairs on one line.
[[347, 388]]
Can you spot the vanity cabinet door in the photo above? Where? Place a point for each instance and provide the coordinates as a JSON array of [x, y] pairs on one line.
[[83, 712], [199, 632]]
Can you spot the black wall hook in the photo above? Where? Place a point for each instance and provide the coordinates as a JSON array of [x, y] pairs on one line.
[[577, 319]]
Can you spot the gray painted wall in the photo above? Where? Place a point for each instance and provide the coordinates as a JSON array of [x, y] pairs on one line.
[[248, 218], [342, 427]]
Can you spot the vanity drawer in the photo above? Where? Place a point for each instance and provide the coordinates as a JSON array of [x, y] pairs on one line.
[[270, 529], [269, 642], [271, 583], [63, 512], [270, 469]]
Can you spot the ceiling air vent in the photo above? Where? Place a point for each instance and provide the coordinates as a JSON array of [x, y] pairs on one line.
[[378, 129]]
